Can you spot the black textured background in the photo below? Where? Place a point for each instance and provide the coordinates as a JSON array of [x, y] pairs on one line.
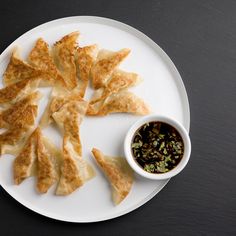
[[200, 37]]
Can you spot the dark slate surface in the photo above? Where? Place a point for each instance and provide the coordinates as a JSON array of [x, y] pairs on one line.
[[200, 37]]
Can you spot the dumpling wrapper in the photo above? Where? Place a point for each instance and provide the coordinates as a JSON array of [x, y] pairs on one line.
[[12, 140], [122, 102], [64, 57], [107, 61], [41, 58], [74, 170], [19, 119], [16, 91], [120, 80], [40, 158], [86, 57], [24, 164], [21, 114], [68, 119], [48, 162], [59, 97], [19, 70], [118, 172]]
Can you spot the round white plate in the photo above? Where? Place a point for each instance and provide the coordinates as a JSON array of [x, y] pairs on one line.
[[162, 88]]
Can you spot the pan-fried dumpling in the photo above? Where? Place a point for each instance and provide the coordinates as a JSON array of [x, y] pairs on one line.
[[18, 70], [48, 160], [57, 100], [74, 170], [68, 119], [119, 80], [72, 112], [86, 57], [123, 101], [106, 63], [14, 92], [38, 157], [25, 163], [64, 57], [12, 139], [19, 119], [40, 58], [20, 114], [118, 172]]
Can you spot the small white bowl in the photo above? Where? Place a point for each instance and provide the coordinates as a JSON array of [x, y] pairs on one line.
[[135, 166]]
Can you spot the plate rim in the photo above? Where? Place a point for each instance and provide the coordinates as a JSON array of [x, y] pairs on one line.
[[142, 36]]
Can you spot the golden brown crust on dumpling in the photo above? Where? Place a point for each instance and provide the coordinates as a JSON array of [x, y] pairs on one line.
[[72, 123], [69, 118], [20, 114], [71, 130], [37, 157], [123, 101], [86, 57], [18, 118], [118, 173], [106, 63], [64, 53], [15, 91], [55, 103], [12, 139], [70, 178], [40, 58], [25, 163], [18, 70], [119, 80], [71, 110], [74, 170]]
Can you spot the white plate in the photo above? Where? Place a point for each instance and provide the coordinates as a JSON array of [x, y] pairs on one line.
[[162, 88]]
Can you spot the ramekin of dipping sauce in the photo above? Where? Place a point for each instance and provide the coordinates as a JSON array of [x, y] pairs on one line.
[[157, 147]]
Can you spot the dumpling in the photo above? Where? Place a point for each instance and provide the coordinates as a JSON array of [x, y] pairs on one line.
[[57, 100], [68, 119], [24, 164], [123, 101], [86, 57], [106, 63], [74, 170], [38, 157], [12, 139], [119, 80], [14, 92], [41, 58], [19, 119], [21, 113], [64, 58], [48, 161], [118, 172], [18, 70], [70, 114]]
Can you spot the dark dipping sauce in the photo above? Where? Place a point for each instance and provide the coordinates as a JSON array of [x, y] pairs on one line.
[[157, 147]]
